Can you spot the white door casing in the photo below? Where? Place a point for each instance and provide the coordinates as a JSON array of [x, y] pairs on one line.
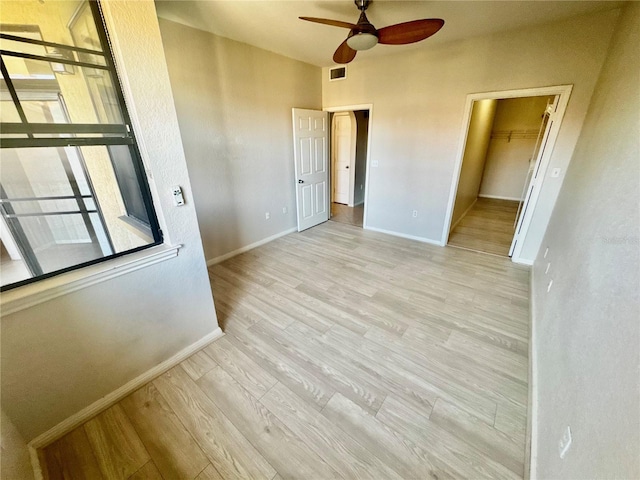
[[368, 168], [535, 188], [343, 152], [311, 160]]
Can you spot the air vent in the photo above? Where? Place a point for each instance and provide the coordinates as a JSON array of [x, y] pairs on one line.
[[337, 73]]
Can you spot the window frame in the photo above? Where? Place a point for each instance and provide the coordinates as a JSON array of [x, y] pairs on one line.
[[120, 134]]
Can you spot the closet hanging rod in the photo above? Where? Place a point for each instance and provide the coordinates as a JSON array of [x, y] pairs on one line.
[[514, 134]]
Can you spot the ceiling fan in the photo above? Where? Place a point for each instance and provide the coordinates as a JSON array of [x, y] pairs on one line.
[[363, 35]]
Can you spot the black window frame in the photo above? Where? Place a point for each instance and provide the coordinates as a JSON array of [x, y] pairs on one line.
[[120, 134]]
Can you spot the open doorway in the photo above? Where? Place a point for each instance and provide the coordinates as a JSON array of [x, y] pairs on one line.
[[349, 146], [507, 145], [503, 142]]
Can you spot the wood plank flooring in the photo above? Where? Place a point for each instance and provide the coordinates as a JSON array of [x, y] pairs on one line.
[[348, 354], [346, 214], [487, 227]]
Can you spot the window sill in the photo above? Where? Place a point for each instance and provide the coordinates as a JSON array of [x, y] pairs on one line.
[[35, 293], [137, 228]]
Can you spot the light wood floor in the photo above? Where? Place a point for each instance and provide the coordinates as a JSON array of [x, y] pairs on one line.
[[346, 214], [348, 354], [488, 227]]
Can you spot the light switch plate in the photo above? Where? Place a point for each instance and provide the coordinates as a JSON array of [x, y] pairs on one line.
[[178, 198]]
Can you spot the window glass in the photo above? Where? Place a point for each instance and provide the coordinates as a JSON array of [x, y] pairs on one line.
[[72, 185]]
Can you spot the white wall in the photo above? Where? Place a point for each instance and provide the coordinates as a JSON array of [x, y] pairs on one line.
[[62, 355], [419, 100], [474, 158], [508, 159], [587, 328], [234, 106]]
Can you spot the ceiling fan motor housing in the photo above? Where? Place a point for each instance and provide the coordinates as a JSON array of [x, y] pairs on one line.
[[365, 36]]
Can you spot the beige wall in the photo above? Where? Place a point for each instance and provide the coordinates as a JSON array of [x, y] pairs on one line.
[[62, 355], [418, 113], [234, 106], [475, 154], [587, 328], [508, 159], [14, 454]]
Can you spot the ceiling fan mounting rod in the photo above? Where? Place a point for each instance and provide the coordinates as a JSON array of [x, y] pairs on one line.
[[362, 4]]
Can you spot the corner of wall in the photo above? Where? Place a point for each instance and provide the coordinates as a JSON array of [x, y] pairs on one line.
[[531, 436], [15, 461]]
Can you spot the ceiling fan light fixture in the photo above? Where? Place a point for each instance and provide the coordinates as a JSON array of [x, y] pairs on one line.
[[362, 41]]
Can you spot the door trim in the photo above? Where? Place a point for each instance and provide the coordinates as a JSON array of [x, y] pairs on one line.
[[352, 108], [353, 129], [564, 92]]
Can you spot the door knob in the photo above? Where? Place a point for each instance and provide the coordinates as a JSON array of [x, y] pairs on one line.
[[300, 181]]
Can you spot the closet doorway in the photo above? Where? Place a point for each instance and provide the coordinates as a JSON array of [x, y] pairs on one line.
[[507, 148], [349, 155]]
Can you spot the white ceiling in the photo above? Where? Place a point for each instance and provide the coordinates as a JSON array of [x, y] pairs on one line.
[[274, 25]]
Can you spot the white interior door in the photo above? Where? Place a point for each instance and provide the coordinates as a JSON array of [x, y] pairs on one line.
[[343, 148], [534, 170], [311, 159]]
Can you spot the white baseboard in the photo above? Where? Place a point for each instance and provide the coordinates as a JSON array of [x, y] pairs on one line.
[[522, 261], [500, 197], [107, 401], [246, 248], [404, 235], [463, 215]]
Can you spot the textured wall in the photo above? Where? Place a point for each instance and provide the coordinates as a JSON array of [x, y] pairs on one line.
[[419, 97], [60, 356], [14, 454], [587, 328], [234, 106]]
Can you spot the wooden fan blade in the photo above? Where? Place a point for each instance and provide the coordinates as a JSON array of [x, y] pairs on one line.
[[409, 32], [326, 21], [344, 53]]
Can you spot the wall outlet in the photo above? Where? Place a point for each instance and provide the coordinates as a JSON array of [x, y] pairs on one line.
[[374, 163], [267, 215], [565, 442], [284, 209], [414, 214]]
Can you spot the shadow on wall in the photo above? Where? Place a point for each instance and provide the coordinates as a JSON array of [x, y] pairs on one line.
[[14, 460]]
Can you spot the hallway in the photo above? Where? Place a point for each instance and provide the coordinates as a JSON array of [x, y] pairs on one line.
[[349, 215]]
